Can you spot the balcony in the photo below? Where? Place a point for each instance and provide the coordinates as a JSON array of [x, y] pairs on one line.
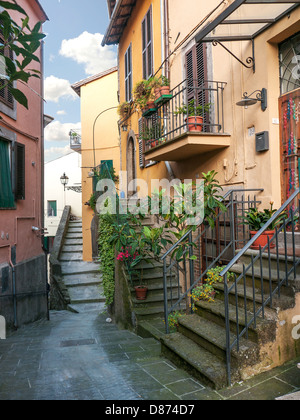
[[186, 123], [75, 140]]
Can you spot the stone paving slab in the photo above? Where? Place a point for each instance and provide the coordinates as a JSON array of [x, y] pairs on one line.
[[102, 362]]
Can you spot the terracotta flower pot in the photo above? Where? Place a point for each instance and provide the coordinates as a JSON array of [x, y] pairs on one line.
[[151, 105], [165, 90], [157, 93], [262, 241], [195, 123], [141, 292]]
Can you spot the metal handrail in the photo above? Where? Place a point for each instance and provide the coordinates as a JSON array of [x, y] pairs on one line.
[[226, 195], [259, 233], [266, 297]]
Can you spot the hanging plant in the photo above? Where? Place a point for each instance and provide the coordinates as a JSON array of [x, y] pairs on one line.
[[142, 94], [124, 110]]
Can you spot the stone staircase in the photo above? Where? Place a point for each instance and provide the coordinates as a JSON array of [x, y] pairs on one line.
[[82, 279], [199, 345]]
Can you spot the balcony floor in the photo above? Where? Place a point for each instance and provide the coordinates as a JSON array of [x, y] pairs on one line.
[[187, 146]]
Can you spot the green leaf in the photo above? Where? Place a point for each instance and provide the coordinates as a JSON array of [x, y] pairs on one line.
[[19, 96], [12, 6]]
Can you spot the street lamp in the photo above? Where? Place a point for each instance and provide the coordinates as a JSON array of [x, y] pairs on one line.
[[64, 180]]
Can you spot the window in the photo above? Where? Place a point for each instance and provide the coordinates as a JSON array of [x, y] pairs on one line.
[[19, 171], [289, 56], [128, 74], [52, 209], [196, 66], [147, 45], [5, 95], [6, 191]]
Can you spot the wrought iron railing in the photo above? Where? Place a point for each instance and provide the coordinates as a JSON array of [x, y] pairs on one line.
[[177, 114], [204, 249], [278, 272]]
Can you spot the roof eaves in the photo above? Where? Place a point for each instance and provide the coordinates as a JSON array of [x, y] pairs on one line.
[[77, 86]]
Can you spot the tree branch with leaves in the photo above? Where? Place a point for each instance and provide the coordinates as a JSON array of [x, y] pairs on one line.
[[24, 42]]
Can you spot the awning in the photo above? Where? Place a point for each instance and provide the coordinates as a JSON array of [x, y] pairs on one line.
[[120, 15], [245, 20]]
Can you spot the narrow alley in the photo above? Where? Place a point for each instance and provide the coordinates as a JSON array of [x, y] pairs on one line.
[[83, 357]]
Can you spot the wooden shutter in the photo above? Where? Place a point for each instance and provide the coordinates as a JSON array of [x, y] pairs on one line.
[[5, 95], [141, 145], [19, 171], [128, 74], [147, 47], [197, 76]]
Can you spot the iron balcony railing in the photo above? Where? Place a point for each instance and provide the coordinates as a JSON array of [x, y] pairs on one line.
[[75, 139], [192, 107], [214, 246], [280, 270]]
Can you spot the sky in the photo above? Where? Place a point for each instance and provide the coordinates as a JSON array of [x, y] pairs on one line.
[[72, 53]]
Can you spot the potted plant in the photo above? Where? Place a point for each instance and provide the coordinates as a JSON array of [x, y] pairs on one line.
[[194, 114], [256, 220], [165, 86], [142, 94], [124, 110]]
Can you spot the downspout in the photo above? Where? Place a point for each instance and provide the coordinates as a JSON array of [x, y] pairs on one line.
[[164, 21], [43, 180]]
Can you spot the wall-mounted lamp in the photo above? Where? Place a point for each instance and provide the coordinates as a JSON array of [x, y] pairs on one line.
[[261, 96], [125, 128]]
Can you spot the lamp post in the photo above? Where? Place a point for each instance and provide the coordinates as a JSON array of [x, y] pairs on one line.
[[64, 180], [94, 125]]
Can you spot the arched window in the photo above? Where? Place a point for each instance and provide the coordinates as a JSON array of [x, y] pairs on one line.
[[289, 56]]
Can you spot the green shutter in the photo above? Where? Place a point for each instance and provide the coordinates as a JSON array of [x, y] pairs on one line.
[[6, 193]]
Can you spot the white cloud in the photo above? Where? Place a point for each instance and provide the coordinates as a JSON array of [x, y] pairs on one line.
[[56, 88], [86, 49], [56, 152], [61, 112], [57, 131]]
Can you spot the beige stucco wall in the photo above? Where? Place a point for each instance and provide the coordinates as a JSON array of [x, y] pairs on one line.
[[96, 97], [245, 167]]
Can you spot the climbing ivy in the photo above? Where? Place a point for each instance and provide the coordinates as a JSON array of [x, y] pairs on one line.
[[107, 259]]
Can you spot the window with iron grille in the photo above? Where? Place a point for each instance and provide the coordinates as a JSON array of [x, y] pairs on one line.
[[289, 57], [128, 74], [5, 95], [147, 45]]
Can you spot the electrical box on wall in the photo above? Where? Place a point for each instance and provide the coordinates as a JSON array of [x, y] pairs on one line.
[[262, 142]]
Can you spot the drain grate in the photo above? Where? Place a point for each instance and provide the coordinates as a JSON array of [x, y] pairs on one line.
[[77, 343]]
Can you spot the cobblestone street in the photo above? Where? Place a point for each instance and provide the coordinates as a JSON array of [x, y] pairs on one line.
[[81, 357]]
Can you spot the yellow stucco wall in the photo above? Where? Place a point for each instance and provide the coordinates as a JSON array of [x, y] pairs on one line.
[[245, 168], [96, 97]]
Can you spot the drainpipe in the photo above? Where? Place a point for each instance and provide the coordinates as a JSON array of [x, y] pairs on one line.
[[164, 21], [43, 180]]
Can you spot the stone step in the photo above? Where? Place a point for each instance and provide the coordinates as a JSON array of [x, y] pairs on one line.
[[73, 242], [72, 248], [87, 307], [267, 280], [82, 280], [73, 236], [74, 230], [283, 261], [143, 313], [254, 298], [203, 365], [79, 267], [70, 256], [265, 330], [153, 299], [86, 294], [212, 338]]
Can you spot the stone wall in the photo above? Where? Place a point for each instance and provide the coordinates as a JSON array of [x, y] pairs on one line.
[[23, 292], [59, 297]]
